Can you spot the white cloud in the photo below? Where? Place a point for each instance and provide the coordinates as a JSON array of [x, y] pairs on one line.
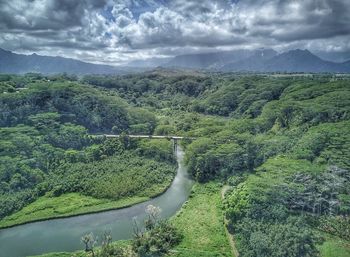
[[114, 31]]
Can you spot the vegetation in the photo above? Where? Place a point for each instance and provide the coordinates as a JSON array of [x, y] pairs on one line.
[[280, 142], [48, 150], [120, 247], [158, 236], [68, 204], [334, 247], [155, 239], [201, 223]]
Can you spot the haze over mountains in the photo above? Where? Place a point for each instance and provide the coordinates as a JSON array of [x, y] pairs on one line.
[[19, 64], [261, 60]]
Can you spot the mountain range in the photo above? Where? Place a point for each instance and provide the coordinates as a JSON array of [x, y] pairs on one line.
[[261, 60], [20, 63]]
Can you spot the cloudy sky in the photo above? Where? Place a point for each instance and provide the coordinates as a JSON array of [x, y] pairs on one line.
[[117, 31]]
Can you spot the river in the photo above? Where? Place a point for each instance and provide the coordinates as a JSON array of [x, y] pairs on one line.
[[64, 234]]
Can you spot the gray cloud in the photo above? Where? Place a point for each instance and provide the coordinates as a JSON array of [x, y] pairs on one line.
[[114, 31]]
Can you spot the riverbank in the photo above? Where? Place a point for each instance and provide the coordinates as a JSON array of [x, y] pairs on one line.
[[82, 253], [200, 221], [63, 235], [73, 204]]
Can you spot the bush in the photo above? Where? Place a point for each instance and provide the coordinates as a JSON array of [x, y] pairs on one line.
[[157, 241]]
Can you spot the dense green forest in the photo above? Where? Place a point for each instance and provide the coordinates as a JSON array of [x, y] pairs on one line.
[[279, 144], [47, 147]]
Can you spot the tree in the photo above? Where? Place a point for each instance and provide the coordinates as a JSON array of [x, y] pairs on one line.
[[153, 218], [89, 240], [125, 140], [158, 236]]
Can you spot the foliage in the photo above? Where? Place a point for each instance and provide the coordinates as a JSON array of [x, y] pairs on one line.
[[277, 204], [157, 237], [114, 177], [157, 240], [336, 225], [201, 222], [282, 143], [334, 247], [89, 241], [276, 240], [46, 146]]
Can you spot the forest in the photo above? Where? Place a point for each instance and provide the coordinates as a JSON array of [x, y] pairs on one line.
[[49, 148], [280, 145]]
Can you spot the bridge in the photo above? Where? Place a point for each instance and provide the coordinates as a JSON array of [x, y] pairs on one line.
[[148, 136], [173, 138]]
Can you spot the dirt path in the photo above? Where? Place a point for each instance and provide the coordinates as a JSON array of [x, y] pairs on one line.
[[231, 238]]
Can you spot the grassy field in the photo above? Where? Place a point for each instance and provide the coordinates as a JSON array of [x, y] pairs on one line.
[[201, 222], [334, 247], [66, 205]]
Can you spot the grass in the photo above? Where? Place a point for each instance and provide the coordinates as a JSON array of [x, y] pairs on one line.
[[142, 178], [201, 222], [65, 205], [120, 243], [334, 247], [61, 254]]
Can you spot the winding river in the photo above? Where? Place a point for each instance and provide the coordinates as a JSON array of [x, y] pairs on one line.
[[64, 234]]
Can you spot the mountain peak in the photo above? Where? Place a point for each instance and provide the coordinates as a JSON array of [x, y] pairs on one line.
[[299, 51], [301, 55]]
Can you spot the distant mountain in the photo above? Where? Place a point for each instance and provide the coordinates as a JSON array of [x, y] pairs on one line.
[[302, 61], [19, 63], [347, 64], [333, 56], [149, 63], [255, 62], [263, 60], [213, 60]]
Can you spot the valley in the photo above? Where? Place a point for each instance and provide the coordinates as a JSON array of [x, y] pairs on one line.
[[182, 128], [279, 145]]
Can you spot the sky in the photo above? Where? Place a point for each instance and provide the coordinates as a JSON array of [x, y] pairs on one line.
[[118, 31]]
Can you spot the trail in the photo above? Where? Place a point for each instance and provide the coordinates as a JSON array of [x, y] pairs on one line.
[[231, 238]]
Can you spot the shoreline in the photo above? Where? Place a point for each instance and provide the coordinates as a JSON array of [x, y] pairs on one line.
[[89, 212]]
